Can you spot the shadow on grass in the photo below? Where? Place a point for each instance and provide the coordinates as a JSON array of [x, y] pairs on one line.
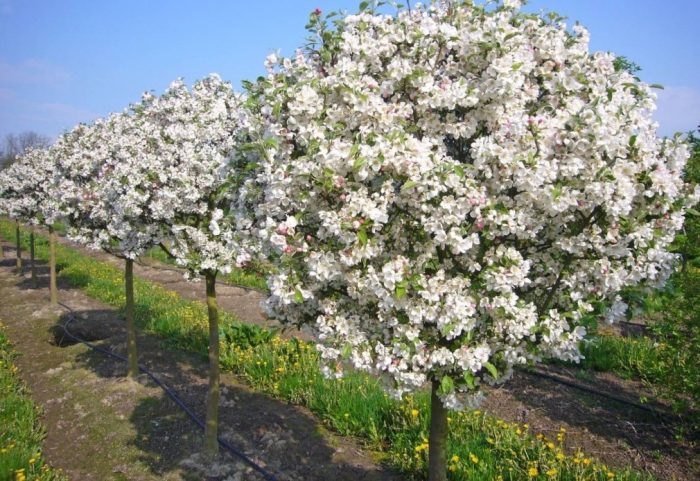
[[285, 439], [649, 435]]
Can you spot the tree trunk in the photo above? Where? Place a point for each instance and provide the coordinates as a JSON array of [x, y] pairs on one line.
[[132, 359], [437, 450], [2, 251], [19, 250], [211, 443], [32, 264], [53, 290]]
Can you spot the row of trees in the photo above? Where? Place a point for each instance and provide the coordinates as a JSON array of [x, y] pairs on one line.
[[440, 194]]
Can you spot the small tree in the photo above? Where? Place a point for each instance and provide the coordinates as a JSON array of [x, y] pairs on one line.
[[453, 191], [194, 138], [22, 195], [107, 206]]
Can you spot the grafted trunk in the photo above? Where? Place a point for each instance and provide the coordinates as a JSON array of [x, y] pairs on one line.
[[53, 290], [437, 450], [32, 264], [211, 443], [19, 250], [131, 354]]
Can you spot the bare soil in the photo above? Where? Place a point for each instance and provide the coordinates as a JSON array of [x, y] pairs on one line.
[[616, 433], [102, 426]]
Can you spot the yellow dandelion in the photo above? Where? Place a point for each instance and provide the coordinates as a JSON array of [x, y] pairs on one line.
[[473, 458], [455, 459], [552, 472], [415, 413], [532, 472]]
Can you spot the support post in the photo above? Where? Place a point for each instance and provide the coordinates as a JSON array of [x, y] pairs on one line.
[[211, 443], [131, 354], [53, 289], [437, 441]]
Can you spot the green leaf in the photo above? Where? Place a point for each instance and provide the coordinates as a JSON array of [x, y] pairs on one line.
[[656, 86], [491, 369], [363, 6], [362, 235], [447, 385], [470, 380], [516, 66], [408, 185], [359, 162], [693, 212], [298, 296], [400, 289]]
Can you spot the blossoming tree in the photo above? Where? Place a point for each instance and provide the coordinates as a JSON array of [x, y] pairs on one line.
[[23, 192], [11, 186], [44, 206], [107, 196], [194, 138], [453, 190]]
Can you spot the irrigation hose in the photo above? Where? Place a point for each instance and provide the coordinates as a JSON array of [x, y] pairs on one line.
[[171, 394], [589, 390]]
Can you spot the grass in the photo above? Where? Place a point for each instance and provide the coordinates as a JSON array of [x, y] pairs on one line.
[[21, 433], [481, 447], [238, 277], [667, 358], [636, 357]]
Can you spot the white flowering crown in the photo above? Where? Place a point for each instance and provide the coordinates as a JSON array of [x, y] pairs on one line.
[[450, 191], [193, 149], [26, 188]]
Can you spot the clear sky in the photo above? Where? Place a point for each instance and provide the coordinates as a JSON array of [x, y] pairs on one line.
[[67, 61]]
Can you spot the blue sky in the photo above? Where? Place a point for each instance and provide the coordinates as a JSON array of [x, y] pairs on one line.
[[67, 61]]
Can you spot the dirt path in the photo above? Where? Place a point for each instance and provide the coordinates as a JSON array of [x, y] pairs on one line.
[[618, 434], [101, 426]]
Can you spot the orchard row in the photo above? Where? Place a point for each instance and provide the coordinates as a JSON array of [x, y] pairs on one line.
[[440, 194]]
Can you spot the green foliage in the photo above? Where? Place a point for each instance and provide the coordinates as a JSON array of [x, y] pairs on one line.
[[668, 358], [480, 446], [623, 63], [20, 431]]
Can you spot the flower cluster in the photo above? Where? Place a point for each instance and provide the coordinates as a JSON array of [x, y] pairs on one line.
[[161, 171], [449, 191], [193, 154], [26, 189]]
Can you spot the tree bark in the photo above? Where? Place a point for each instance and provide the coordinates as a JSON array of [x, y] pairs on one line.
[[19, 250], [2, 250], [131, 354], [53, 290], [211, 442], [437, 450], [32, 263]]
